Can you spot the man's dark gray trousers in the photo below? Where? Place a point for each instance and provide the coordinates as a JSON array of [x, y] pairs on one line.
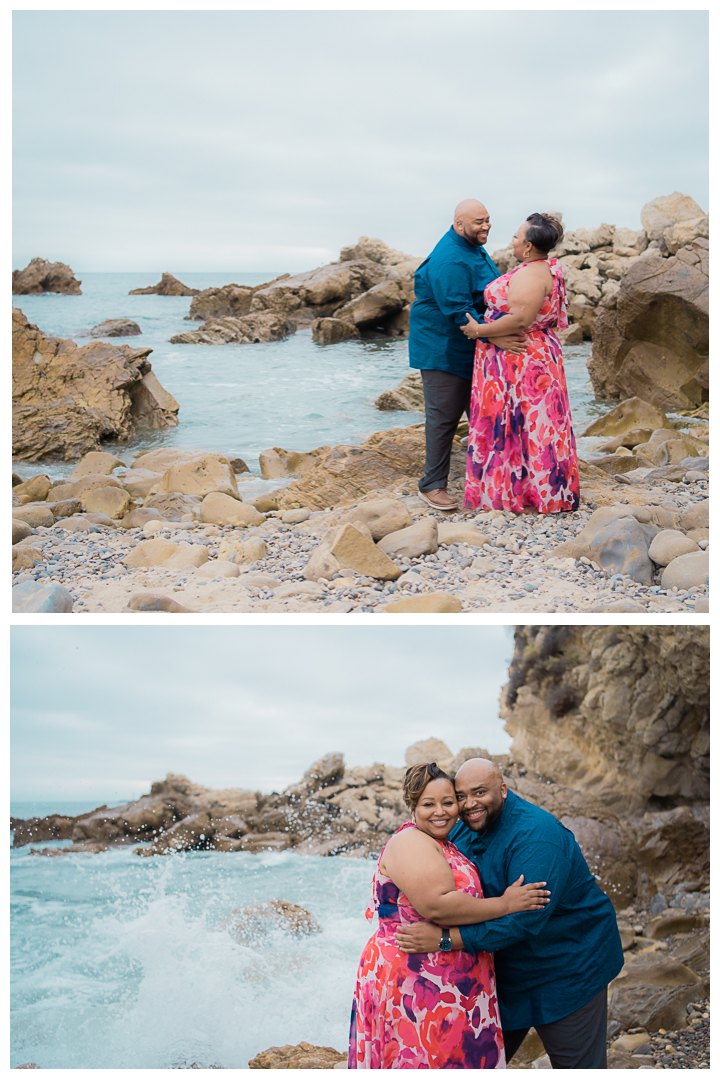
[[447, 397], [576, 1042]]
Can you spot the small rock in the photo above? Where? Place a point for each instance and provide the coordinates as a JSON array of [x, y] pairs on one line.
[[113, 328], [186, 556], [298, 588], [412, 542], [139, 517], [687, 571], [428, 602], [218, 568], [218, 508], [151, 553], [668, 545], [113, 501], [154, 602], [356, 552], [456, 533], [96, 463], [36, 488], [35, 515], [295, 517], [20, 530]]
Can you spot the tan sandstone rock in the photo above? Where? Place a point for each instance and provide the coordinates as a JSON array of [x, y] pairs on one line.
[[450, 532], [303, 1056], [167, 286], [667, 210], [428, 603], [96, 463], [151, 553], [654, 991], [687, 571], [254, 921], [220, 509], [112, 501], [630, 415], [356, 552], [200, 475], [418, 539], [187, 555], [36, 515], [41, 276], [668, 544], [66, 399], [278, 462], [36, 488]]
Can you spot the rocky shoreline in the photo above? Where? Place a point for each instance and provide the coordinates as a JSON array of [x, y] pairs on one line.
[[610, 730]]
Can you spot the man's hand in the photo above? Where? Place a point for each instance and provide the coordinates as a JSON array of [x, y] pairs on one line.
[[419, 937], [513, 343]]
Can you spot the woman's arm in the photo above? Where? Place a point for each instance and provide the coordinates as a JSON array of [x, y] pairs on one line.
[[526, 292], [418, 867]]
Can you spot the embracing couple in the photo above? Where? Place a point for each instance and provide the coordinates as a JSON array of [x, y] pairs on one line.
[[486, 345], [481, 938]]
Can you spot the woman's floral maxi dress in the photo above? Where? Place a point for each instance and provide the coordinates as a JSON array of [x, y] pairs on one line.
[[426, 1010], [521, 446]]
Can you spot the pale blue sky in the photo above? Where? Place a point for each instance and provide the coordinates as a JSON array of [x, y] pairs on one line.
[[251, 140], [101, 712]]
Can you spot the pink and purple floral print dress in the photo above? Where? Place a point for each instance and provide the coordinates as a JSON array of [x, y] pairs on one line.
[[521, 446], [426, 1010]]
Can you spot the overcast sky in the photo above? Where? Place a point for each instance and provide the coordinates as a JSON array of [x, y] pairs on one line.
[[184, 140], [101, 712]]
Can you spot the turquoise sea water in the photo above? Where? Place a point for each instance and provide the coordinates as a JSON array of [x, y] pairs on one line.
[[120, 962], [242, 399]]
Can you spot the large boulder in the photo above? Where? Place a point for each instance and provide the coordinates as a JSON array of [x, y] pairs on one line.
[[407, 396], [616, 540], [667, 210], [220, 509], [31, 596], [167, 286], [96, 463], [653, 991], [66, 399], [277, 463], [41, 276], [113, 328], [651, 336], [199, 474], [255, 921]]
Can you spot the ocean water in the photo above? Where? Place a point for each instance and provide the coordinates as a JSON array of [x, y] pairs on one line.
[[120, 962], [243, 399]]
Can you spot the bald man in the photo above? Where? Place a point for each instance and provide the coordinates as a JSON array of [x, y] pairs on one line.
[[552, 966], [449, 284]]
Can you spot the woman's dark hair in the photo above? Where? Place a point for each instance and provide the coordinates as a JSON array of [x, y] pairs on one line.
[[417, 779], [544, 232]]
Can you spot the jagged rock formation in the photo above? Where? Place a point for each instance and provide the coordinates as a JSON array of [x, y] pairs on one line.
[[41, 276], [345, 473], [167, 286], [369, 291], [619, 712], [595, 261], [226, 301], [407, 396], [652, 337], [67, 399]]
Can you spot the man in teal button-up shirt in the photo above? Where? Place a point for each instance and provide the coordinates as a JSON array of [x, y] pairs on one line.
[[552, 966], [449, 285]]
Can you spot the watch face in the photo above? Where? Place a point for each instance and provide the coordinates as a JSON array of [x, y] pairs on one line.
[[445, 946]]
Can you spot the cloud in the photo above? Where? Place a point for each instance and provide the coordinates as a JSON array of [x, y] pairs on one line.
[[231, 140], [242, 706]]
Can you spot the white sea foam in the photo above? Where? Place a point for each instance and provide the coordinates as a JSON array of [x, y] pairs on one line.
[[121, 962]]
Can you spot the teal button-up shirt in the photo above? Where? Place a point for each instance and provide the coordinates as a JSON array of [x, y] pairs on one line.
[[548, 963], [448, 284]]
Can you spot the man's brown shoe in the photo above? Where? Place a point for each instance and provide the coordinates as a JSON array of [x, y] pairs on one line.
[[439, 499]]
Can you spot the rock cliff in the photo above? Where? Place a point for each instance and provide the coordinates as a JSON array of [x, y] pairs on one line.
[[67, 399]]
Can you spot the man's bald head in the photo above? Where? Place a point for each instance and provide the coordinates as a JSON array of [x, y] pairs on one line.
[[478, 768], [472, 221], [481, 793]]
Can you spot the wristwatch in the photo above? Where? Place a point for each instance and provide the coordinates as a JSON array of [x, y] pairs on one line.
[[445, 940]]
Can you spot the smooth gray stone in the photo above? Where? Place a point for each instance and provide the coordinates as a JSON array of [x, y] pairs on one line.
[[31, 596]]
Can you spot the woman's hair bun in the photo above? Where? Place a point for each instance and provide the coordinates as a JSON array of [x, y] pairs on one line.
[[417, 779], [544, 232]]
